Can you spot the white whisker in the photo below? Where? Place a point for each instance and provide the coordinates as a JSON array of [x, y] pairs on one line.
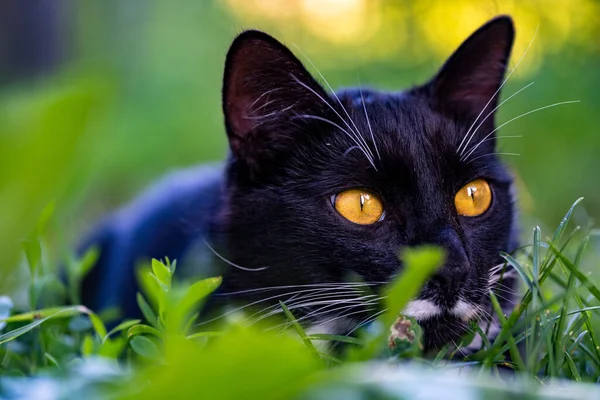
[[495, 94], [357, 131], [312, 302], [356, 137], [338, 317], [369, 157], [466, 156], [362, 99], [337, 306], [231, 263], [493, 111], [278, 296], [312, 285], [317, 295]]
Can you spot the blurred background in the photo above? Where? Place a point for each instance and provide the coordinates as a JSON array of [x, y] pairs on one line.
[[98, 99]]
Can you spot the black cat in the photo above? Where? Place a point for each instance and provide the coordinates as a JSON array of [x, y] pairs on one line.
[[322, 188]]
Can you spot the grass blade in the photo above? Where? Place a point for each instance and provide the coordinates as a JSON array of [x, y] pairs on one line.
[[298, 329], [593, 289], [563, 224], [514, 350], [15, 333], [336, 338]]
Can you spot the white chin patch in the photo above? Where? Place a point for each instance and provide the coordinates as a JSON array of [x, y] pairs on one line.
[[464, 310], [422, 310]]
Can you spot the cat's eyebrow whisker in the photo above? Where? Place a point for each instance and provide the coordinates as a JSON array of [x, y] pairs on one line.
[[358, 145], [362, 99], [496, 93], [357, 137], [466, 156], [357, 131], [350, 149], [232, 263], [492, 113]]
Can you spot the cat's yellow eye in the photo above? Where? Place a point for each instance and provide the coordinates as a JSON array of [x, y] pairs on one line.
[[474, 198], [359, 206]]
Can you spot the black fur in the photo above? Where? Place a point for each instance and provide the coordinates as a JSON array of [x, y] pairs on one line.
[[272, 205]]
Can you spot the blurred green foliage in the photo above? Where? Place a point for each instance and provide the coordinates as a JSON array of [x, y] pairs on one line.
[[139, 94]]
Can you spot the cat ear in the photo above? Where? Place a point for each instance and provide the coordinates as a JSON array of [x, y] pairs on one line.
[[472, 76], [264, 88]]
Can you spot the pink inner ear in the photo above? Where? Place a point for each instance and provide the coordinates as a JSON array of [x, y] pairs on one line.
[[238, 114], [474, 90]]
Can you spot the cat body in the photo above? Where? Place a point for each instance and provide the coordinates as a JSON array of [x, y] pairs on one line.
[[321, 192]]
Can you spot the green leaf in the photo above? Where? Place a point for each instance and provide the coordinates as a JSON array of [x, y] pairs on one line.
[[419, 264], [209, 334], [307, 342], [87, 262], [593, 289], [142, 329], [336, 338], [146, 310], [536, 253], [573, 368], [98, 325], [191, 300], [514, 350], [162, 272], [51, 358], [122, 327], [59, 312], [112, 348], [33, 252], [520, 270], [87, 345], [145, 347], [8, 336], [45, 217], [563, 224], [155, 292]]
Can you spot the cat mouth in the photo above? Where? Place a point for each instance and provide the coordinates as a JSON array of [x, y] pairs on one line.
[[424, 309]]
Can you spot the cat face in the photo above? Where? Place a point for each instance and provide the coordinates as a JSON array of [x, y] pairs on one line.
[[325, 188]]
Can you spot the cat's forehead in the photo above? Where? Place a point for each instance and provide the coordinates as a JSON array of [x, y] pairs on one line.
[[401, 124], [400, 137]]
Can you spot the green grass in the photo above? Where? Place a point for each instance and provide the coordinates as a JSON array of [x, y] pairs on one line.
[[68, 352]]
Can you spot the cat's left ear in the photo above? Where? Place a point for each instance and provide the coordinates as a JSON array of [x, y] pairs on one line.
[[470, 79], [265, 89]]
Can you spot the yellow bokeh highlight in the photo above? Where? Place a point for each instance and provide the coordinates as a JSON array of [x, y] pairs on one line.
[[422, 30]]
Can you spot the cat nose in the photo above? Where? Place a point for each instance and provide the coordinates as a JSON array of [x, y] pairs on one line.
[[449, 283]]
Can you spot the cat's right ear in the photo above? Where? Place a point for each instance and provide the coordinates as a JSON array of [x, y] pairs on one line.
[[265, 86]]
